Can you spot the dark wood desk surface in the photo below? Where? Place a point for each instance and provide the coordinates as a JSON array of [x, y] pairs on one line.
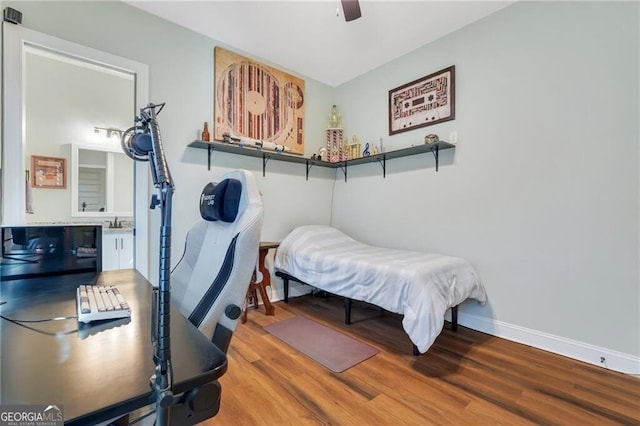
[[101, 371]]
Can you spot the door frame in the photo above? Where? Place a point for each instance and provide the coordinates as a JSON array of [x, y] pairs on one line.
[[16, 39]]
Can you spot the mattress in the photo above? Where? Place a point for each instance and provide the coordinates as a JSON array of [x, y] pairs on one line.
[[420, 286]]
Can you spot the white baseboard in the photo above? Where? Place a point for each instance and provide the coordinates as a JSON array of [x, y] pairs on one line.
[[591, 354]]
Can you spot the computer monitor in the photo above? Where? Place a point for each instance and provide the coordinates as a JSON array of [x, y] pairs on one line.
[[38, 251]]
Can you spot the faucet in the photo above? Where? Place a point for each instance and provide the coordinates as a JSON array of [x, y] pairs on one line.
[[115, 223]]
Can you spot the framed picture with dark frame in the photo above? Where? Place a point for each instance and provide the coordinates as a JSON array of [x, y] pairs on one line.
[[423, 102], [48, 172]]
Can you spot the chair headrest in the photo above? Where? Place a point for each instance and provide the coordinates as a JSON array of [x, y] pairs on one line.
[[221, 201]]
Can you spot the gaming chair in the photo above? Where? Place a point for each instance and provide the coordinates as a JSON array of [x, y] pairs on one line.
[[210, 282]]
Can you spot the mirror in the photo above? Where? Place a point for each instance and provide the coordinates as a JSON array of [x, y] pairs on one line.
[[101, 181], [85, 99]]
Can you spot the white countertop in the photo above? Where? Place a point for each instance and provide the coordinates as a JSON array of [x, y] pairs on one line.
[[127, 226]]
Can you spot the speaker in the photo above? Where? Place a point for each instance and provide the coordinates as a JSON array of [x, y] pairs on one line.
[[12, 15]]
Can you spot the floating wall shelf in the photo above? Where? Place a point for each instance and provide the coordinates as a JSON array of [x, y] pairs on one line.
[[381, 158]]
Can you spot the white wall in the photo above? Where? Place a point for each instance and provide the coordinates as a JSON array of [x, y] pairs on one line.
[[638, 215], [541, 193], [181, 74]]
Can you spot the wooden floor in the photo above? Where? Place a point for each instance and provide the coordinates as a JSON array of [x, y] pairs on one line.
[[466, 377]]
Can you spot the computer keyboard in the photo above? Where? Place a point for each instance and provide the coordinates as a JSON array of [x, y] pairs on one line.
[[100, 302]]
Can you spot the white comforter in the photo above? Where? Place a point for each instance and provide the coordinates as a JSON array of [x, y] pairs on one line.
[[421, 286]]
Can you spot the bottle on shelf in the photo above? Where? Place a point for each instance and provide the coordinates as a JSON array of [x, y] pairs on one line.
[[205, 132]]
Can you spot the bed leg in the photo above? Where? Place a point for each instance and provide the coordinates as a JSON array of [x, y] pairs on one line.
[[347, 310], [454, 318], [416, 352], [285, 282]]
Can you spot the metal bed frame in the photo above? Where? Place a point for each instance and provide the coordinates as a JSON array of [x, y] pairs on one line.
[[348, 304]]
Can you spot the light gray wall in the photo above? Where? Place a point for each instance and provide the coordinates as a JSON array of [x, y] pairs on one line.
[[1, 115], [638, 210], [541, 193], [181, 74]]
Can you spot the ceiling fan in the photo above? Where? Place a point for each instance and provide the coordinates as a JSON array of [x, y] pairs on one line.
[[351, 9]]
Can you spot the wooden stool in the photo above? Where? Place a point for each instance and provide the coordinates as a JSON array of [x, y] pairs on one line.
[[261, 286]]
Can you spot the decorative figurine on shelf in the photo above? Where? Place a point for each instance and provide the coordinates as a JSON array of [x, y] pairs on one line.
[[366, 152], [335, 145], [334, 154], [357, 148], [334, 118], [205, 132], [322, 154], [432, 138]]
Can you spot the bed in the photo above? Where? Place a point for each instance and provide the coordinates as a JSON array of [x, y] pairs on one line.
[[420, 286]]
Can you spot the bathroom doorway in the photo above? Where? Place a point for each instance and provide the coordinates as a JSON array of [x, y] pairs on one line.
[[46, 116]]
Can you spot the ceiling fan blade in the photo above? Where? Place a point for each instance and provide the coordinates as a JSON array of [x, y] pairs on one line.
[[351, 9]]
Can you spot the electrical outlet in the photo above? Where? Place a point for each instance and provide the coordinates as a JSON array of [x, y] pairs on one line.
[[453, 136]]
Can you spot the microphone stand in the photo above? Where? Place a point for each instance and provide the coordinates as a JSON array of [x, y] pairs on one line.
[[162, 379]]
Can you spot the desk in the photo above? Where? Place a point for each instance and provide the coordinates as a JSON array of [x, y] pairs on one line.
[[261, 286], [102, 371]]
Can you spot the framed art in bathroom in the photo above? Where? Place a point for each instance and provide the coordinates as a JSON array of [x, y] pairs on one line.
[[48, 172]]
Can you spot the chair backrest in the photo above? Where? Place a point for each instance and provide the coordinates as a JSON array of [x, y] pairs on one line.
[[210, 282]]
